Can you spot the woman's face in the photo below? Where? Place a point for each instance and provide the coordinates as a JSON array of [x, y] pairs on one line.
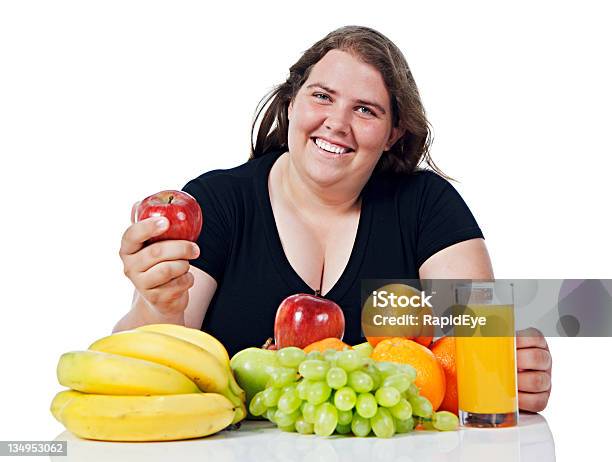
[[340, 122]]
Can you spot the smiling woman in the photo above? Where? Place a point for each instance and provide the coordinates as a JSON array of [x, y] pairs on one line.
[[340, 123], [333, 194]]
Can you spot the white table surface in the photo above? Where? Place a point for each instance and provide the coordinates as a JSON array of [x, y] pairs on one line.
[[532, 440]]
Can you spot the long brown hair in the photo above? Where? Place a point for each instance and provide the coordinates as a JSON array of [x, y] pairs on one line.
[[374, 49]]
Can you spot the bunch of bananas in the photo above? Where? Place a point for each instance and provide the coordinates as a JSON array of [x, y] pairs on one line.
[[154, 383]]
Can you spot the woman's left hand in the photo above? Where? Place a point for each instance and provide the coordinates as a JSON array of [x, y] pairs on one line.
[[534, 364]]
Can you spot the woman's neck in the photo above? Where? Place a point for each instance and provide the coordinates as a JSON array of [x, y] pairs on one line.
[[313, 199]]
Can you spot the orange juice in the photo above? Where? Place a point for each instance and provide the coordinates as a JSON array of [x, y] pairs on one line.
[[486, 366]]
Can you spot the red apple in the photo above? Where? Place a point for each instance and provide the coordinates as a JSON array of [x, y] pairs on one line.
[[303, 318], [182, 211]]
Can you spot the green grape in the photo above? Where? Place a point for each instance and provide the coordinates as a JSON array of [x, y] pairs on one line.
[[271, 396], [304, 427], [427, 424], [445, 421], [372, 371], [360, 381], [404, 426], [314, 354], [282, 376], [345, 399], [336, 378], [407, 369], [400, 381], [412, 391], [331, 356], [326, 419], [289, 388], [318, 392], [366, 405], [270, 413], [360, 426], [289, 401], [343, 429], [257, 406], [283, 419], [301, 388], [386, 396], [290, 356], [383, 425], [345, 417], [314, 369], [308, 412], [386, 368], [287, 428], [402, 410], [349, 360], [421, 406], [368, 361]]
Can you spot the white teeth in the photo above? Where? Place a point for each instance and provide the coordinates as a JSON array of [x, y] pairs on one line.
[[330, 147]]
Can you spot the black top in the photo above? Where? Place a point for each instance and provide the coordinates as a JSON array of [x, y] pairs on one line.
[[404, 220]]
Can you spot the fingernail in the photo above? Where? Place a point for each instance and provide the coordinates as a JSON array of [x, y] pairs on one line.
[[195, 251], [161, 223]]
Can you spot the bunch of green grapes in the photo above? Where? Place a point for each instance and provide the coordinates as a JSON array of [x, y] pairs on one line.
[[344, 392]]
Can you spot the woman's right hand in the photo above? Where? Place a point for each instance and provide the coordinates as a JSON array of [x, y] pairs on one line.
[[159, 271]]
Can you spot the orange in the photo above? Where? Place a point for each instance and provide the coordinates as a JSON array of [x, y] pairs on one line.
[[444, 351], [430, 377], [427, 331], [331, 343], [425, 341], [375, 340]]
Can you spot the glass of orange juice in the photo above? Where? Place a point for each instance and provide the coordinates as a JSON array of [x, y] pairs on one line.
[[486, 355]]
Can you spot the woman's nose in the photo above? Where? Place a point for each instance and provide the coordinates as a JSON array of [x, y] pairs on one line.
[[338, 120]]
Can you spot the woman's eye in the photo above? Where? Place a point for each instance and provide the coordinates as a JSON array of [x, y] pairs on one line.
[[365, 110], [321, 96]]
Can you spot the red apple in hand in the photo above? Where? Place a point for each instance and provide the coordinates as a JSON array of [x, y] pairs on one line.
[[182, 211], [303, 318]]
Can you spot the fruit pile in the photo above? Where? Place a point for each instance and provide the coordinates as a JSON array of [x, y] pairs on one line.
[[343, 392], [156, 382]]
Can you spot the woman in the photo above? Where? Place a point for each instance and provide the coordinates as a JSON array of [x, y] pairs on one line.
[[330, 196]]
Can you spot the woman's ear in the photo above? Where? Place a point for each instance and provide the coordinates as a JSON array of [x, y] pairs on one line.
[[289, 110], [396, 134]]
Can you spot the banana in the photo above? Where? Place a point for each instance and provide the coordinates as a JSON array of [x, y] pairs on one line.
[[60, 400], [147, 418], [203, 340], [195, 336], [196, 363], [111, 374]]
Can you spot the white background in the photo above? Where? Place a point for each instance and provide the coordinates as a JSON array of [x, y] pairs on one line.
[[103, 103]]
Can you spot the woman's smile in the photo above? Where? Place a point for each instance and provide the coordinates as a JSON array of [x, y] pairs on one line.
[[331, 150]]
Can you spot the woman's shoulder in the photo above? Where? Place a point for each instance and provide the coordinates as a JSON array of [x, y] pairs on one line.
[[241, 178], [251, 169], [226, 177], [414, 184]]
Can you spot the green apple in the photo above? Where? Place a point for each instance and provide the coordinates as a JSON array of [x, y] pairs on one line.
[[251, 368], [364, 349]]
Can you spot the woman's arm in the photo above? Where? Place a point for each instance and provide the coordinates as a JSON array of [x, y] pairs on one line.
[[200, 295], [465, 260], [470, 260]]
